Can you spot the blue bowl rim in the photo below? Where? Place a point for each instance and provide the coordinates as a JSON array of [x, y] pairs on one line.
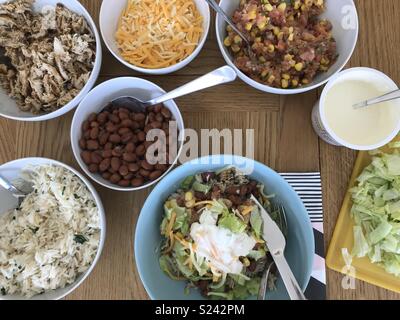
[[209, 159]]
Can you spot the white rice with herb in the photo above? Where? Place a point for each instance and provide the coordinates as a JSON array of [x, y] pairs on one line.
[[52, 238]]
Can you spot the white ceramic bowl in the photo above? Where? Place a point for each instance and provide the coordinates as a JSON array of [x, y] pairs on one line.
[[9, 108], [11, 171], [344, 18], [110, 13], [319, 114], [106, 92]]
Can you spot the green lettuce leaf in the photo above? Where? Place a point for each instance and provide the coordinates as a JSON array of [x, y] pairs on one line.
[[376, 211], [231, 222], [256, 221], [361, 246], [257, 254]]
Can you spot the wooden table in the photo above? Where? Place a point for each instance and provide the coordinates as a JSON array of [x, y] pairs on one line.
[[284, 140]]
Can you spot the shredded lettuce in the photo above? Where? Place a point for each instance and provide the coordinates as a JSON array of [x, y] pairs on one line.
[[256, 221], [187, 183], [240, 291], [361, 246], [257, 254], [169, 267], [201, 187], [231, 222], [376, 211]]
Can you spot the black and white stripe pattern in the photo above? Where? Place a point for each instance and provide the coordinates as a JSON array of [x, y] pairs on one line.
[[308, 187]]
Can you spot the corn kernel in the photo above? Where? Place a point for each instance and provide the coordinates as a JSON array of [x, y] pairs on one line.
[[297, 4], [190, 204], [237, 39], [288, 57], [252, 15], [280, 35], [258, 39], [188, 196], [271, 78], [324, 61], [276, 31], [282, 7], [305, 81], [268, 7], [235, 48], [271, 48], [264, 73], [229, 28], [299, 66], [291, 37], [227, 42], [248, 26], [262, 59], [284, 83], [295, 83], [286, 76], [261, 25]]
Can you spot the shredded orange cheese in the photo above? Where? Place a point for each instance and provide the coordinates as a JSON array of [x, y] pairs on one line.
[[171, 223], [156, 34]]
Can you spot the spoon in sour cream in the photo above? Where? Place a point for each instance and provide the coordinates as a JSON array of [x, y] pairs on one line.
[[386, 97]]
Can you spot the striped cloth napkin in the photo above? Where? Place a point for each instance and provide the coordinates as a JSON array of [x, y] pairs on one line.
[[308, 187]]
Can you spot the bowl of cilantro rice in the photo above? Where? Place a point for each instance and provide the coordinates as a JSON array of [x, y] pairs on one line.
[[199, 235], [51, 241]]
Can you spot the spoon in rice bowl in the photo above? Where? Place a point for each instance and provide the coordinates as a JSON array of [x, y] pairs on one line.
[[219, 76], [17, 193]]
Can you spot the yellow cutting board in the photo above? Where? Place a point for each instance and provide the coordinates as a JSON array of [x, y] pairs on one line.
[[343, 238]]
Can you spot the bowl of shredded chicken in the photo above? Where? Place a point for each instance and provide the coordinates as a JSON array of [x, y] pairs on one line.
[[50, 57], [50, 242]]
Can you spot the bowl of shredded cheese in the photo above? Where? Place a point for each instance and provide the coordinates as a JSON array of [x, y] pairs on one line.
[[155, 36]]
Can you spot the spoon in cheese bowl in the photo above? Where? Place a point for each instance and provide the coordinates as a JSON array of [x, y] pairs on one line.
[[219, 76]]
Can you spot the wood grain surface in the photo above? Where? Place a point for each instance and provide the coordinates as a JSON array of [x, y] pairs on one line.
[[284, 140]]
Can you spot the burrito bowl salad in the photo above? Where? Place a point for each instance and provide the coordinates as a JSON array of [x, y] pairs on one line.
[[212, 235], [292, 44]]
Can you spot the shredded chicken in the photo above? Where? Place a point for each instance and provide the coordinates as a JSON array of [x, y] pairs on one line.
[[46, 58]]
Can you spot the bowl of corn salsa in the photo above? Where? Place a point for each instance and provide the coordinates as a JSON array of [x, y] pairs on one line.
[[298, 44]]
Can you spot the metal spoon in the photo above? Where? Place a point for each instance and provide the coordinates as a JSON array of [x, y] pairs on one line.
[[229, 21], [219, 76], [14, 191], [386, 97]]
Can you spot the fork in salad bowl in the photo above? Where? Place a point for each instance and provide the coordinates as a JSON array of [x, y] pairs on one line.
[[276, 244], [280, 217]]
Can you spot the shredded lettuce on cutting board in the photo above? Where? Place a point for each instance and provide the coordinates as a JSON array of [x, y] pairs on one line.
[[376, 211]]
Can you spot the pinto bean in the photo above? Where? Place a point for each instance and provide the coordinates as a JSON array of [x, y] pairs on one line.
[[155, 175], [137, 182], [86, 157]]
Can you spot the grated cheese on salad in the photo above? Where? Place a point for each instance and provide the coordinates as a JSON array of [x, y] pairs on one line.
[[158, 33], [52, 238]]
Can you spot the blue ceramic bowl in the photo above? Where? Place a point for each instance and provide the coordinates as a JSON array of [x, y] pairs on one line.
[[300, 241]]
